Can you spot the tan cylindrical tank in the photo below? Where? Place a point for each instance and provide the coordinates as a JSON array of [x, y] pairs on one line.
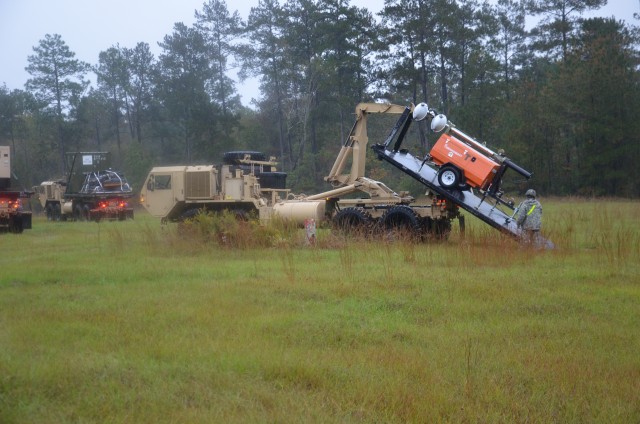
[[67, 207], [299, 211]]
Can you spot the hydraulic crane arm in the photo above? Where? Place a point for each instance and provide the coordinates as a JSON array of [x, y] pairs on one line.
[[355, 147], [354, 150]]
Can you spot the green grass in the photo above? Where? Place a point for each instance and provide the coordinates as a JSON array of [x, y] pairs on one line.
[[123, 322]]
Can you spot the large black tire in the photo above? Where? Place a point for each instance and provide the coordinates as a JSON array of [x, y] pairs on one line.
[[449, 177], [77, 213], [15, 225], [402, 222], [442, 229], [188, 214], [351, 221], [240, 214], [57, 213], [86, 209], [48, 210], [436, 229]]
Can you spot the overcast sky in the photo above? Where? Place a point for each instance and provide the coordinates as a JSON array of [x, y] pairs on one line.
[[89, 27]]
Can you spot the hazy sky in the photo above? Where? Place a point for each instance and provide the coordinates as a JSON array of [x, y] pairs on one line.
[[90, 26]]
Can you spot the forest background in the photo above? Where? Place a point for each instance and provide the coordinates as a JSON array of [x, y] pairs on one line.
[[561, 98]]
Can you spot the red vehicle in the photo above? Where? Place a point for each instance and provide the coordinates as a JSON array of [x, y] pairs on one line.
[[13, 216]]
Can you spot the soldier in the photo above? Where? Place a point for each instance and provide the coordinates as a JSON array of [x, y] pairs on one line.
[[529, 217]]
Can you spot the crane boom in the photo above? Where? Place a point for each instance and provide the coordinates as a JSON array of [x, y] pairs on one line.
[[355, 146]]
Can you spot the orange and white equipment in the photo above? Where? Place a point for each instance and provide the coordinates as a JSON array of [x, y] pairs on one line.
[[479, 169]]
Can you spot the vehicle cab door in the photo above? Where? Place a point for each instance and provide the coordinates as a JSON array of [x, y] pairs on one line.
[[157, 194]]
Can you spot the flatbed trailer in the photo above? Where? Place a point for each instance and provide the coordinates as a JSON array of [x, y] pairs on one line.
[[486, 206]]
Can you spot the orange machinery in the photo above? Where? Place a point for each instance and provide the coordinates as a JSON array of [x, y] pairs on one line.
[[479, 169]]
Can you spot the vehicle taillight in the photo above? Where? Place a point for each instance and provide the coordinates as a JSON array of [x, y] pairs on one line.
[[11, 203]]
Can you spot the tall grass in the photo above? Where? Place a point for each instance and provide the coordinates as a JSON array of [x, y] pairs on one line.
[[138, 322]]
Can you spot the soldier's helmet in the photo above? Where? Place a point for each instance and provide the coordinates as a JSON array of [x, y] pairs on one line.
[[530, 193]]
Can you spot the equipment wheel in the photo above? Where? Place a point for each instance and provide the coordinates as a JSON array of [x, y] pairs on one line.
[[352, 220], [85, 212], [77, 213], [401, 222], [49, 212], [15, 225], [57, 213], [449, 176], [189, 213], [240, 215], [442, 229]]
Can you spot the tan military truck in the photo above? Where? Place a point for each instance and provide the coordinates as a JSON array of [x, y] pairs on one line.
[[246, 184]]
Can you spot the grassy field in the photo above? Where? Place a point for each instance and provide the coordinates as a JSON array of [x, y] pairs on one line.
[[132, 322]]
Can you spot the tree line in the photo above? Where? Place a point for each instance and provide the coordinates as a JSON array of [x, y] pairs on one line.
[[561, 98]]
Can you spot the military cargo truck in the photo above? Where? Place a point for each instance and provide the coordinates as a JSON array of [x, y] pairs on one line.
[[246, 184], [13, 216], [90, 191]]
